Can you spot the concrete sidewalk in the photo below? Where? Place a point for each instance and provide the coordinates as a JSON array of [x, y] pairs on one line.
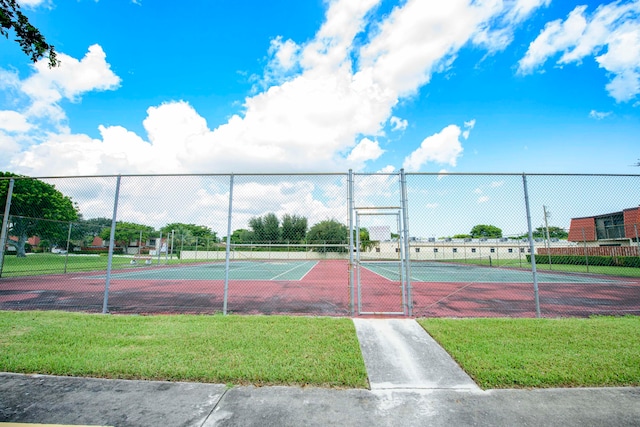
[[413, 383], [64, 400]]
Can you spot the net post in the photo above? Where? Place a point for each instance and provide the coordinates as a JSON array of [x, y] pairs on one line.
[[531, 247], [112, 236], [159, 248], [228, 249], [5, 223], [350, 208]]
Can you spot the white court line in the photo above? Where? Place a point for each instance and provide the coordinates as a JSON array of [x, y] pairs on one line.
[[291, 269]]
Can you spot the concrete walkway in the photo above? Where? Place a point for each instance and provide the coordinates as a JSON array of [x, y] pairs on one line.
[[413, 383], [399, 354]]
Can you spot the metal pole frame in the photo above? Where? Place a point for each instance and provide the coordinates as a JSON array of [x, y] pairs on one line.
[[586, 254], [350, 206], [159, 248], [66, 255], [228, 250], [531, 247], [112, 236], [405, 234], [5, 223], [546, 226]]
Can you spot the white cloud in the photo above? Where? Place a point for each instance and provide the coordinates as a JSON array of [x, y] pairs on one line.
[[483, 199], [443, 147], [496, 184], [442, 174], [12, 121], [47, 87], [599, 115], [398, 124], [364, 151], [478, 191], [614, 27], [318, 98], [32, 3], [431, 205], [468, 126]]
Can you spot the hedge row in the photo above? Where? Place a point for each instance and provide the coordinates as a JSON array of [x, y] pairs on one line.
[[611, 261]]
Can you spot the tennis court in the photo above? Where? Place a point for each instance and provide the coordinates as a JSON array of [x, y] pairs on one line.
[[322, 287], [440, 289], [453, 272], [238, 270]]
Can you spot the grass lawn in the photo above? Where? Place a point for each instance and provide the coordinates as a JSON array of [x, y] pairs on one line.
[[261, 350], [512, 353], [36, 264]]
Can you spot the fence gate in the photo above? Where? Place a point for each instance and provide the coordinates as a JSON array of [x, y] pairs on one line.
[[380, 275]]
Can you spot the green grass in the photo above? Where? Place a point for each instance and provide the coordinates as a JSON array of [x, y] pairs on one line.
[[261, 350], [36, 264], [513, 353]]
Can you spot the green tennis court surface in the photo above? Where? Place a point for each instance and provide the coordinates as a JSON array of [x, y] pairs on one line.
[[243, 270], [457, 273]]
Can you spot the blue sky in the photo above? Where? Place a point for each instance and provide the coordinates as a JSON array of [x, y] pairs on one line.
[[324, 86]]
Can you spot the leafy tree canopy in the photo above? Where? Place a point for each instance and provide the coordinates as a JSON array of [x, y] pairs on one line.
[[554, 233], [462, 236], [190, 232], [485, 231], [37, 209], [269, 229], [241, 236], [294, 228], [127, 232], [31, 41], [328, 232]]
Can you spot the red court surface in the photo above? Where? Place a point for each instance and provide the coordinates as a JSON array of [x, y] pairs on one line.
[[323, 291]]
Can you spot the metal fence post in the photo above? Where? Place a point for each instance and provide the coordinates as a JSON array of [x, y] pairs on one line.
[[112, 236], [226, 266], [5, 223], [586, 255], [405, 232], [531, 247], [350, 206], [66, 255]]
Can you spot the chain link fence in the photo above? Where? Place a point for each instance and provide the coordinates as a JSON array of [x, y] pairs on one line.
[[339, 244]]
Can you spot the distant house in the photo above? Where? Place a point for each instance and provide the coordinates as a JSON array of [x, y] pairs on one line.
[[612, 229], [98, 242]]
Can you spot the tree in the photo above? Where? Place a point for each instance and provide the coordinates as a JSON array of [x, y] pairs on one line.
[[31, 41], [271, 228], [485, 231], [127, 232], [365, 240], [189, 232], [294, 228], [241, 235], [328, 232], [37, 209], [554, 233], [462, 236], [85, 230]]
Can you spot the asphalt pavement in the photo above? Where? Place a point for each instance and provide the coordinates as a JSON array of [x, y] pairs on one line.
[[413, 382]]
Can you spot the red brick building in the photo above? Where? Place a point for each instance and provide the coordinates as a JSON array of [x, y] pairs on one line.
[[612, 229]]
